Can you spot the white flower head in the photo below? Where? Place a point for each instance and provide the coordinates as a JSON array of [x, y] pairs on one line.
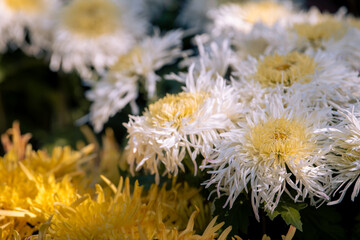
[[263, 40], [93, 33], [242, 16], [333, 33], [347, 48], [120, 85], [214, 55], [320, 77], [17, 16], [316, 29], [188, 122], [275, 149], [111, 95], [345, 157]]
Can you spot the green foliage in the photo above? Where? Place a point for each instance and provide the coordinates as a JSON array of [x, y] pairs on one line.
[[289, 212]]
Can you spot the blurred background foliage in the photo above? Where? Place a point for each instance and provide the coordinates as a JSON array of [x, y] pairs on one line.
[[48, 104]]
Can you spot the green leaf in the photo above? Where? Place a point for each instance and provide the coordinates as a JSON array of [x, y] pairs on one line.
[[292, 217], [289, 212]]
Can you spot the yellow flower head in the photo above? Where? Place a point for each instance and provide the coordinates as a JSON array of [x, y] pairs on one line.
[[353, 22], [267, 12], [125, 214], [91, 18], [322, 31], [285, 69], [125, 62], [174, 108], [27, 198], [25, 5], [178, 203], [280, 139], [13, 140]]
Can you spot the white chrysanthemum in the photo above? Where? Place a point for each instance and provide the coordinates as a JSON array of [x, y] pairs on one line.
[[319, 77], [119, 86], [34, 16], [242, 16], [111, 95], [263, 40], [333, 33], [215, 55], [93, 33], [347, 48], [276, 149], [314, 34], [345, 157], [180, 124]]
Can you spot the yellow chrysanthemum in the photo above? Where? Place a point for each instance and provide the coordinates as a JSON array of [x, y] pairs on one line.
[[13, 140], [285, 69], [27, 198], [31, 182], [91, 18], [174, 108], [25, 5], [178, 204], [126, 215], [62, 160]]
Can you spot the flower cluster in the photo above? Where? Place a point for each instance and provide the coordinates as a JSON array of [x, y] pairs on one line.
[[111, 44], [268, 115], [267, 108]]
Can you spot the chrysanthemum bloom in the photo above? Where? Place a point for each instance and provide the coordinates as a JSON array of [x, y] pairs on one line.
[[331, 33], [242, 16], [60, 162], [31, 182], [276, 149], [263, 40], [27, 197], [178, 203], [214, 55], [320, 77], [122, 216], [19, 17], [180, 124], [120, 86], [93, 33], [345, 156]]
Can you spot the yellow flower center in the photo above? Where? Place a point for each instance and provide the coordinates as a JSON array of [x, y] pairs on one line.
[[266, 12], [287, 69], [354, 22], [280, 139], [324, 30], [173, 108], [25, 5], [125, 63], [91, 18]]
